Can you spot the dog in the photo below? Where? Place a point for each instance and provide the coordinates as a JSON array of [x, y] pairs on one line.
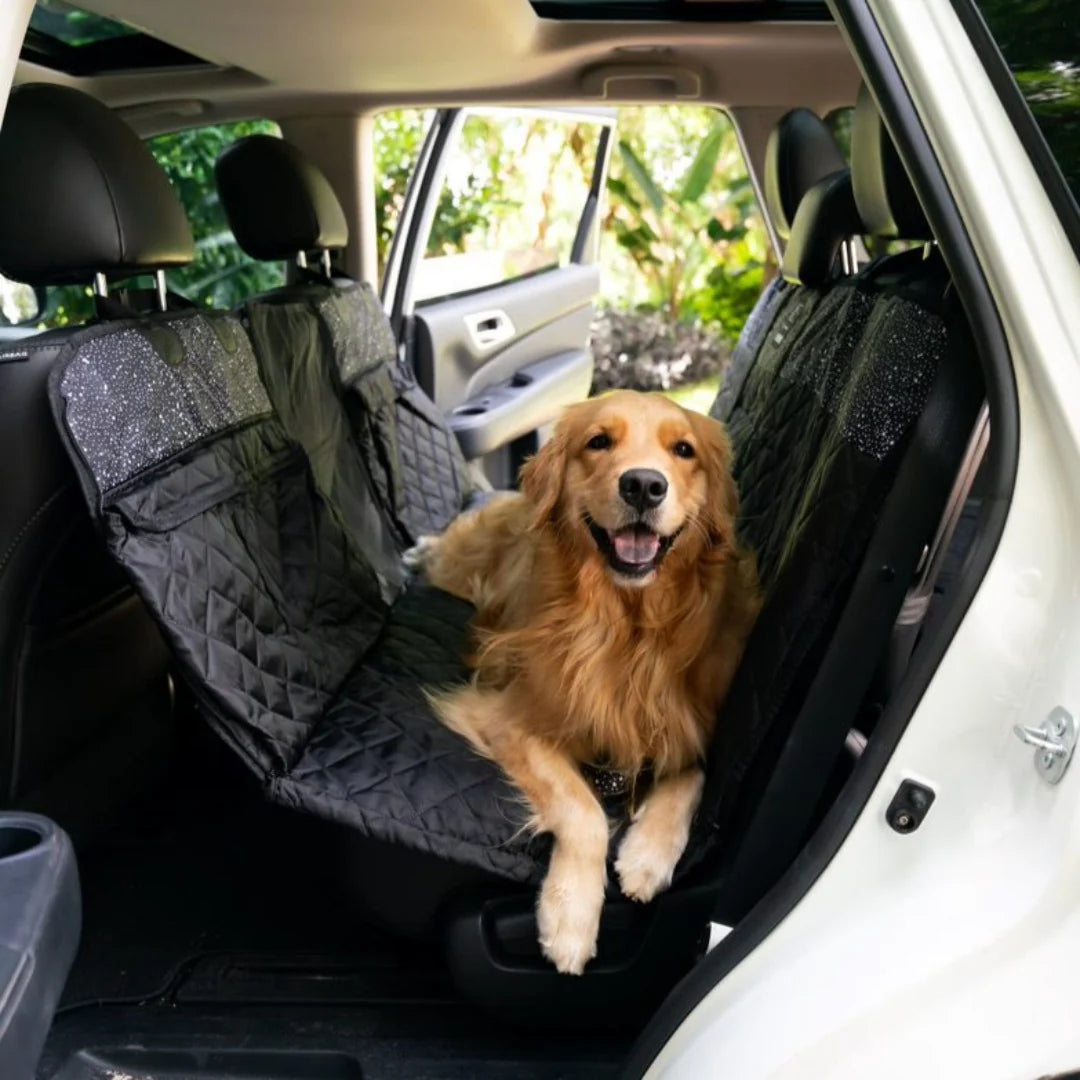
[[613, 602]]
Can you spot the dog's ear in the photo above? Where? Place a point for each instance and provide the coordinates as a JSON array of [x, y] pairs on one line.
[[542, 475], [714, 449]]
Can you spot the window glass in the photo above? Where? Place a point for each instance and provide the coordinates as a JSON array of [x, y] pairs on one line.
[[398, 137], [683, 233], [511, 201], [222, 274], [1040, 41], [73, 26]]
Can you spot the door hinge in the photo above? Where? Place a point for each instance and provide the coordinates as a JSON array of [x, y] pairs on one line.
[[1054, 743]]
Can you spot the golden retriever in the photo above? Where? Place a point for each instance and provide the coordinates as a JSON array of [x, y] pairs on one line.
[[613, 603]]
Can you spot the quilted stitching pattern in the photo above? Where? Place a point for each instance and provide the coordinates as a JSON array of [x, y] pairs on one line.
[[819, 431], [417, 466], [296, 362], [382, 763], [275, 618], [262, 596], [749, 346]]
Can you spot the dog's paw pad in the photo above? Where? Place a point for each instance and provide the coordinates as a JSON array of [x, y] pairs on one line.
[[568, 932], [569, 955], [644, 867]]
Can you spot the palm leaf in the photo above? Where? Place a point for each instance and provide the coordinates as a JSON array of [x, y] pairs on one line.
[[703, 166], [641, 176]]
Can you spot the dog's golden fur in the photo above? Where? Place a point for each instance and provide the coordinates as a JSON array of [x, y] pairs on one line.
[[582, 657]]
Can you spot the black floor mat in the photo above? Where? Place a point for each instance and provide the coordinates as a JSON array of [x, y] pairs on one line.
[[217, 871], [219, 941], [419, 1043]]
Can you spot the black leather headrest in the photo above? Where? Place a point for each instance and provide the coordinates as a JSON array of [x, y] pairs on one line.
[[826, 218], [801, 151], [278, 203], [887, 201], [80, 194]]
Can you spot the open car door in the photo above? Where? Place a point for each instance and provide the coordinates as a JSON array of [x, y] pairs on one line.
[[493, 273]]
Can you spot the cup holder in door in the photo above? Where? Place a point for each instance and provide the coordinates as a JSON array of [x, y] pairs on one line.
[[17, 840]]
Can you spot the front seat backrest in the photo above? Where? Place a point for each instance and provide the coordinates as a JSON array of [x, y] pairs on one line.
[[82, 667], [847, 447]]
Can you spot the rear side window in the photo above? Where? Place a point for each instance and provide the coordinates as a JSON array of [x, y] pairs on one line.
[[1039, 42], [221, 275]]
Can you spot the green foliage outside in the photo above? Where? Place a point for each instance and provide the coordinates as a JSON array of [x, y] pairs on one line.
[[1040, 40], [74, 26], [221, 275], [682, 209], [682, 233]]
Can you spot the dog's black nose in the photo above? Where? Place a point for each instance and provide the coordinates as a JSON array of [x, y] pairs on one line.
[[643, 489]]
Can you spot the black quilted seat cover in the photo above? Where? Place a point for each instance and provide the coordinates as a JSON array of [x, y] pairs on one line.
[[381, 762], [819, 429], [754, 330], [297, 365], [275, 616], [416, 462]]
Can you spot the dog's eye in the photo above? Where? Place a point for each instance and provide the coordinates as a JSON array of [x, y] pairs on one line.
[[683, 449], [599, 442]]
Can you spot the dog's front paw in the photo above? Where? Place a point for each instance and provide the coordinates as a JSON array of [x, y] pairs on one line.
[[647, 860], [568, 926], [417, 556]]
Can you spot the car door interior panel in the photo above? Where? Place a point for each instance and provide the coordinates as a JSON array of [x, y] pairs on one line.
[[530, 399]]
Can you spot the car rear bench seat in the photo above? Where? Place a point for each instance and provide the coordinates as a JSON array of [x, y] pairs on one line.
[[848, 432]]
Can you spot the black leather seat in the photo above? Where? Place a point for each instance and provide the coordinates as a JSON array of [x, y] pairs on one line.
[[281, 206], [84, 699]]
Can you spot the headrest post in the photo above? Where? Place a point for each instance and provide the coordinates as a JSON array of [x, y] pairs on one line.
[[324, 258], [101, 285], [162, 290], [301, 260]]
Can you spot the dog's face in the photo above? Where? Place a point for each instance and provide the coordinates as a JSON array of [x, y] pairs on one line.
[[636, 480]]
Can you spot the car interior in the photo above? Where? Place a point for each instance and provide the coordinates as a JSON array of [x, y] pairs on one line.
[[212, 654]]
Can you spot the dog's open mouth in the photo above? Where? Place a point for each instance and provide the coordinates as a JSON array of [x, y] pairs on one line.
[[633, 550]]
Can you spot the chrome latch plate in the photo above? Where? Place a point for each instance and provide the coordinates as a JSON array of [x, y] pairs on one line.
[[1054, 743]]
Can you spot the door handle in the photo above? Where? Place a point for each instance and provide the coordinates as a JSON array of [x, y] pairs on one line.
[[489, 328]]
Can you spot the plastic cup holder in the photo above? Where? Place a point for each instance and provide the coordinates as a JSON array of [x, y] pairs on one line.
[[471, 410], [17, 840]]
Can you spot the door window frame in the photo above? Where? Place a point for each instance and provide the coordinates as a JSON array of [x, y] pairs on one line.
[[414, 226]]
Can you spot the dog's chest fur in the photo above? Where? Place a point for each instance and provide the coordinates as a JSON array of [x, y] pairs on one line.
[[621, 676]]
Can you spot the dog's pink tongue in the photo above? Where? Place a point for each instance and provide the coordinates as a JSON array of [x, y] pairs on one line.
[[635, 545]]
